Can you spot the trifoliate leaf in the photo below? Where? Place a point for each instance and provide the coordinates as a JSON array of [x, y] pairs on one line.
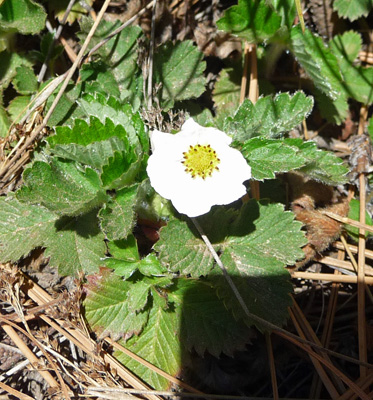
[[23, 16], [157, 344], [206, 325], [179, 70], [357, 80], [76, 245], [354, 213], [118, 55], [25, 81], [269, 117], [317, 60], [320, 165], [181, 249], [23, 227], [252, 20], [125, 259], [267, 157], [107, 311], [117, 218], [353, 9], [252, 249], [62, 188], [254, 256]]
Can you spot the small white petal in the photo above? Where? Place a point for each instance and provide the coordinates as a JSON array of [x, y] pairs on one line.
[[196, 196]]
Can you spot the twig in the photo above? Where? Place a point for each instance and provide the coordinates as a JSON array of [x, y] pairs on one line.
[[29, 354], [328, 277], [318, 366], [15, 392], [118, 30], [361, 255], [349, 221], [43, 69], [244, 74], [272, 365]]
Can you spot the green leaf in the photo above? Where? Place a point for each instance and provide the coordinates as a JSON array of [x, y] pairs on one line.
[[354, 214], [95, 154], [107, 307], [118, 55], [4, 122], [23, 16], [67, 108], [179, 69], [318, 61], [180, 248], [110, 108], [157, 344], [117, 218], [73, 244], [269, 117], [251, 20], [62, 188], [226, 94], [99, 79], [321, 165], [286, 9], [77, 245], [252, 249], [9, 62], [267, 157], [84, 133], [117, 149], [370, 128], [335, 111], [17, 107], [121, 170], [357, 80], [206, 325], [346, 47], [125, 259], [23, 227], [58, 7], [254, 256], [25, 81], [352, 9]]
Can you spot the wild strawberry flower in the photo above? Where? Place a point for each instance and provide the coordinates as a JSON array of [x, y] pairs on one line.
[[196, 168]]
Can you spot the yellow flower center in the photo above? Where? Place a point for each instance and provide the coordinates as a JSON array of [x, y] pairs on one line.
[[200, 160]]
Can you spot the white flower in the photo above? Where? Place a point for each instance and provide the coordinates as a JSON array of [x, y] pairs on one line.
[[196, 168]]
